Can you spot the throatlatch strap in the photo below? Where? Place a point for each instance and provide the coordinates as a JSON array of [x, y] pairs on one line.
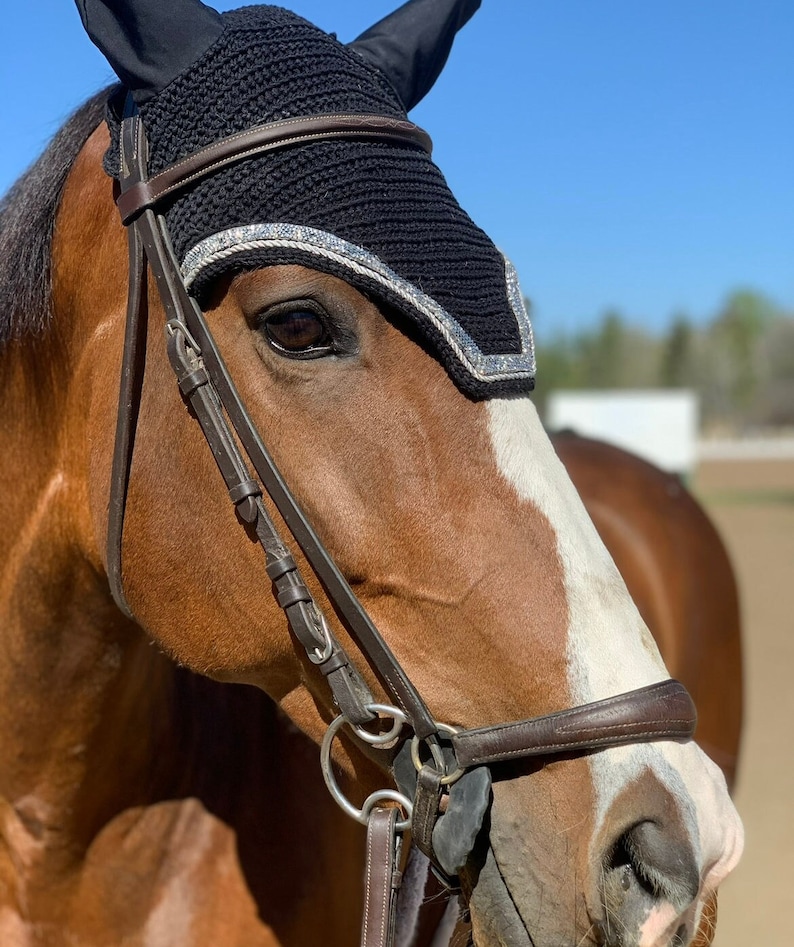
[[132, 370]]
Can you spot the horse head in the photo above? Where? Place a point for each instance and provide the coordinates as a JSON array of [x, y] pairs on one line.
[[377, 341]]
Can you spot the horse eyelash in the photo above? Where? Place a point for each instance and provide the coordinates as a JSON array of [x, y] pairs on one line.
[[343, 338]]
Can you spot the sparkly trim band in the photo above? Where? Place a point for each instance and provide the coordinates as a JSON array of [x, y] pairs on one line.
[[485, 368]]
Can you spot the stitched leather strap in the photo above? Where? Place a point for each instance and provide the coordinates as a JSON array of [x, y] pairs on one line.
[[381, 879], [132, 369], [262, 138], [350, 693], [662, 711]]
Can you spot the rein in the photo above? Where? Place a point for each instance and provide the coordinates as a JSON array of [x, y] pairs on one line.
[[443, 759]]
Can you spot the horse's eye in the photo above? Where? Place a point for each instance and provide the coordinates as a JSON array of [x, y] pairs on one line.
[[298, 332]]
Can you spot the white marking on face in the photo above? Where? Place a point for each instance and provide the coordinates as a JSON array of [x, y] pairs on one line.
[[610, 649]]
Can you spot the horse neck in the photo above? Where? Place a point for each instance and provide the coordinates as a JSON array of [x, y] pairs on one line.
[[96, 721], [73, 672], [68, 660]]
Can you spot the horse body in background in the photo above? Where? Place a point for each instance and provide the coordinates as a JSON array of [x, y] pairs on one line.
[[142, 804]]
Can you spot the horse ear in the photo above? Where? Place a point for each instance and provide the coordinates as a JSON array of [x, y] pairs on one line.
[[412, 44], [148, 43]]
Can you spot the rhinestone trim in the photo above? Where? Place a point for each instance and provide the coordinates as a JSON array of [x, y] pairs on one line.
[[485, 368]]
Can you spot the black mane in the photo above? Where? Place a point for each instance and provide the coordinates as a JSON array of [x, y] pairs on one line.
[[27, 218]]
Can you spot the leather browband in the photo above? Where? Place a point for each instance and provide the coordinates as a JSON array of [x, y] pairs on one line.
[[662, 711], [262, 138]]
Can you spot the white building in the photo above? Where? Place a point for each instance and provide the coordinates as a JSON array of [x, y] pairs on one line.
[[658, 425]]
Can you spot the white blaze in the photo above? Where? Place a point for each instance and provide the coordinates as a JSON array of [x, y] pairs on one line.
[[610, 649]]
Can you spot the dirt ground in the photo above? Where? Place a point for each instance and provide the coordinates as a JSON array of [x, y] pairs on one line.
[[752, 505]]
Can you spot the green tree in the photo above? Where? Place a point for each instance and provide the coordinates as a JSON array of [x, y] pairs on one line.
[[604, 351], [677, 356], [774, 403], [737, 331], [559, 368], [741, 362]]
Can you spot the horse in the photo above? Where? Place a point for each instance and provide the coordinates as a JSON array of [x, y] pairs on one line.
[[161, 713], [679, 575]]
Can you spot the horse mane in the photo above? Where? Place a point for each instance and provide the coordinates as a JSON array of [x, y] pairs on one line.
[[27, 222]]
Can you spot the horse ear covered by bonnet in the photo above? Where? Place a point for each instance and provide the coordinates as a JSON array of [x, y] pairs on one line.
[[386, 222]]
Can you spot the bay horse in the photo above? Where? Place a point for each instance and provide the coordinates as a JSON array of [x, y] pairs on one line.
[[147, 797]]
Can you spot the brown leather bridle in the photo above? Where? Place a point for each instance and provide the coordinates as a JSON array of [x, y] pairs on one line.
[[441, 754]]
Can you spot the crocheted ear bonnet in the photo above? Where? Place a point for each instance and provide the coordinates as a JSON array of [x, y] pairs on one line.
[[377, 214]]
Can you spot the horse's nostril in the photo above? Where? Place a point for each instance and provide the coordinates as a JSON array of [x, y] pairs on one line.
[[659, 866]]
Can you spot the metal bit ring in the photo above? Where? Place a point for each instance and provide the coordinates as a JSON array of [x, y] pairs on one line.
[[360, 815], [448, 778]]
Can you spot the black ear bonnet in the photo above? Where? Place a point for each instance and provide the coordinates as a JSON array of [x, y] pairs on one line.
[[377, 214]]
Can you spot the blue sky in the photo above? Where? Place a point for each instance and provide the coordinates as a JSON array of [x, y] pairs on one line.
[[623, 153]]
